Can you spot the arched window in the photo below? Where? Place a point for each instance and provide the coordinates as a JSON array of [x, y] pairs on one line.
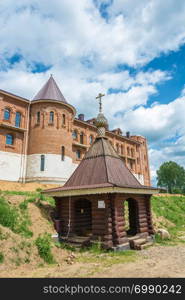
[[81, 138], [18, 119], [51, 117], [38, 117], [78, 154], [74, 135], [63, 119], [62, 153], [91, 139], [9, 139], [117, 148], [7, 114], [42, 162]]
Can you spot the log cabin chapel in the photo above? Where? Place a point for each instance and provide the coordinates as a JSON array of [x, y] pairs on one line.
[[102, 200]]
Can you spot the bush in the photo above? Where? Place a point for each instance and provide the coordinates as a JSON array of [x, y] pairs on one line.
[[23, 205], [8, 215], [11, 217], [43, 243], [1, 257]]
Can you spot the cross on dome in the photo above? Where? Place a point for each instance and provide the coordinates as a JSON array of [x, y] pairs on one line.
[[99, 97]]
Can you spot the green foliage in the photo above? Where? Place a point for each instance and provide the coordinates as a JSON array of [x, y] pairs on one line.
[[172, 208], [16, 193], [23, 205], [8, 215], [11, 217], [1, 257], [171, 176], [43, 243], [47, 199]]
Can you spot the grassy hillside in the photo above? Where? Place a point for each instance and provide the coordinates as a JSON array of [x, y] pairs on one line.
[[169, 213], [26, 228]]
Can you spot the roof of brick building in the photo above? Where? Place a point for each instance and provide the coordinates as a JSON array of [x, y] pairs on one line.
[[50, 91]]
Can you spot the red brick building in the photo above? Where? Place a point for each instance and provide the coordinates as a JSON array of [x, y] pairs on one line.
[[43, 140]]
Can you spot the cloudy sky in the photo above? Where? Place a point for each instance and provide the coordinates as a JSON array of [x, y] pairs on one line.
[[132, 50]]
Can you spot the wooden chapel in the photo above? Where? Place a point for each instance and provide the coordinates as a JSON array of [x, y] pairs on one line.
[[91, 204]]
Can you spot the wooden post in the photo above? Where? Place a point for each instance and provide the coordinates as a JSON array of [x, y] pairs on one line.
[[142, 214], [118, 221], [149, 215]]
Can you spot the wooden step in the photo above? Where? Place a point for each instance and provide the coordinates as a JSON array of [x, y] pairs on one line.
[[137, 242], [143, 246]]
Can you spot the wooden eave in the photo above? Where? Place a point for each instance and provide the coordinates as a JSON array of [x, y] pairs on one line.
[[103, 190]]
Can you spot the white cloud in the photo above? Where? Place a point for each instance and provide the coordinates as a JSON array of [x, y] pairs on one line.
[[84, 50], [158, 122], [60, 32]]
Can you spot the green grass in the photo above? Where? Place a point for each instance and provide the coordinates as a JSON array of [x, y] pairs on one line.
[[172, 208], [17, 218], [107, 258], [11, 217], [44, 245]]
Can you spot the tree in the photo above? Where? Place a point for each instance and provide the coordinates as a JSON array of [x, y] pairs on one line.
[[171, 176]]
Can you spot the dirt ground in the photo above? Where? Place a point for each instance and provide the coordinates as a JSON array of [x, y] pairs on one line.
[[157, 261], [24, 187]]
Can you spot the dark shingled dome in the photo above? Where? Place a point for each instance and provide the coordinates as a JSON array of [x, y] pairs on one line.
[[50, 91]]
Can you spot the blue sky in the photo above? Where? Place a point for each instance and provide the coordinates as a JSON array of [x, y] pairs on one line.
[[127, 49]]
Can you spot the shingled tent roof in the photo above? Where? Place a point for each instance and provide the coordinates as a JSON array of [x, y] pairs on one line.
[[50, 91], [102, 165], [101, 170]]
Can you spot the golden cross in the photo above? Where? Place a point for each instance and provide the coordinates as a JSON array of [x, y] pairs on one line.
[[100, 101]]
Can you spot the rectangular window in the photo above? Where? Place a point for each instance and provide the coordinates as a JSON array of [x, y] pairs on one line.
[[9, 139], [6, 114], [62, 153], [38, 117], [17, 119], [51, 117], [42, 162]]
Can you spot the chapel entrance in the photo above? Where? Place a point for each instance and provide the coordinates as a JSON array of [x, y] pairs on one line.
[[83, 217], [131, 216]]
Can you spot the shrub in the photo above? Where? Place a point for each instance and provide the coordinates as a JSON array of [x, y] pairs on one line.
[[11, 217], [23, 205], [8, 215], [43, 243]]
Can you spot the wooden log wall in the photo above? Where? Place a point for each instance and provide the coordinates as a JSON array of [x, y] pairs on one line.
[[142, 214], [108, 224], [149, 215], [119, 235]]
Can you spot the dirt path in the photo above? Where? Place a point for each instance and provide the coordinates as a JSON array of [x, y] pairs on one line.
[[157, 261]]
